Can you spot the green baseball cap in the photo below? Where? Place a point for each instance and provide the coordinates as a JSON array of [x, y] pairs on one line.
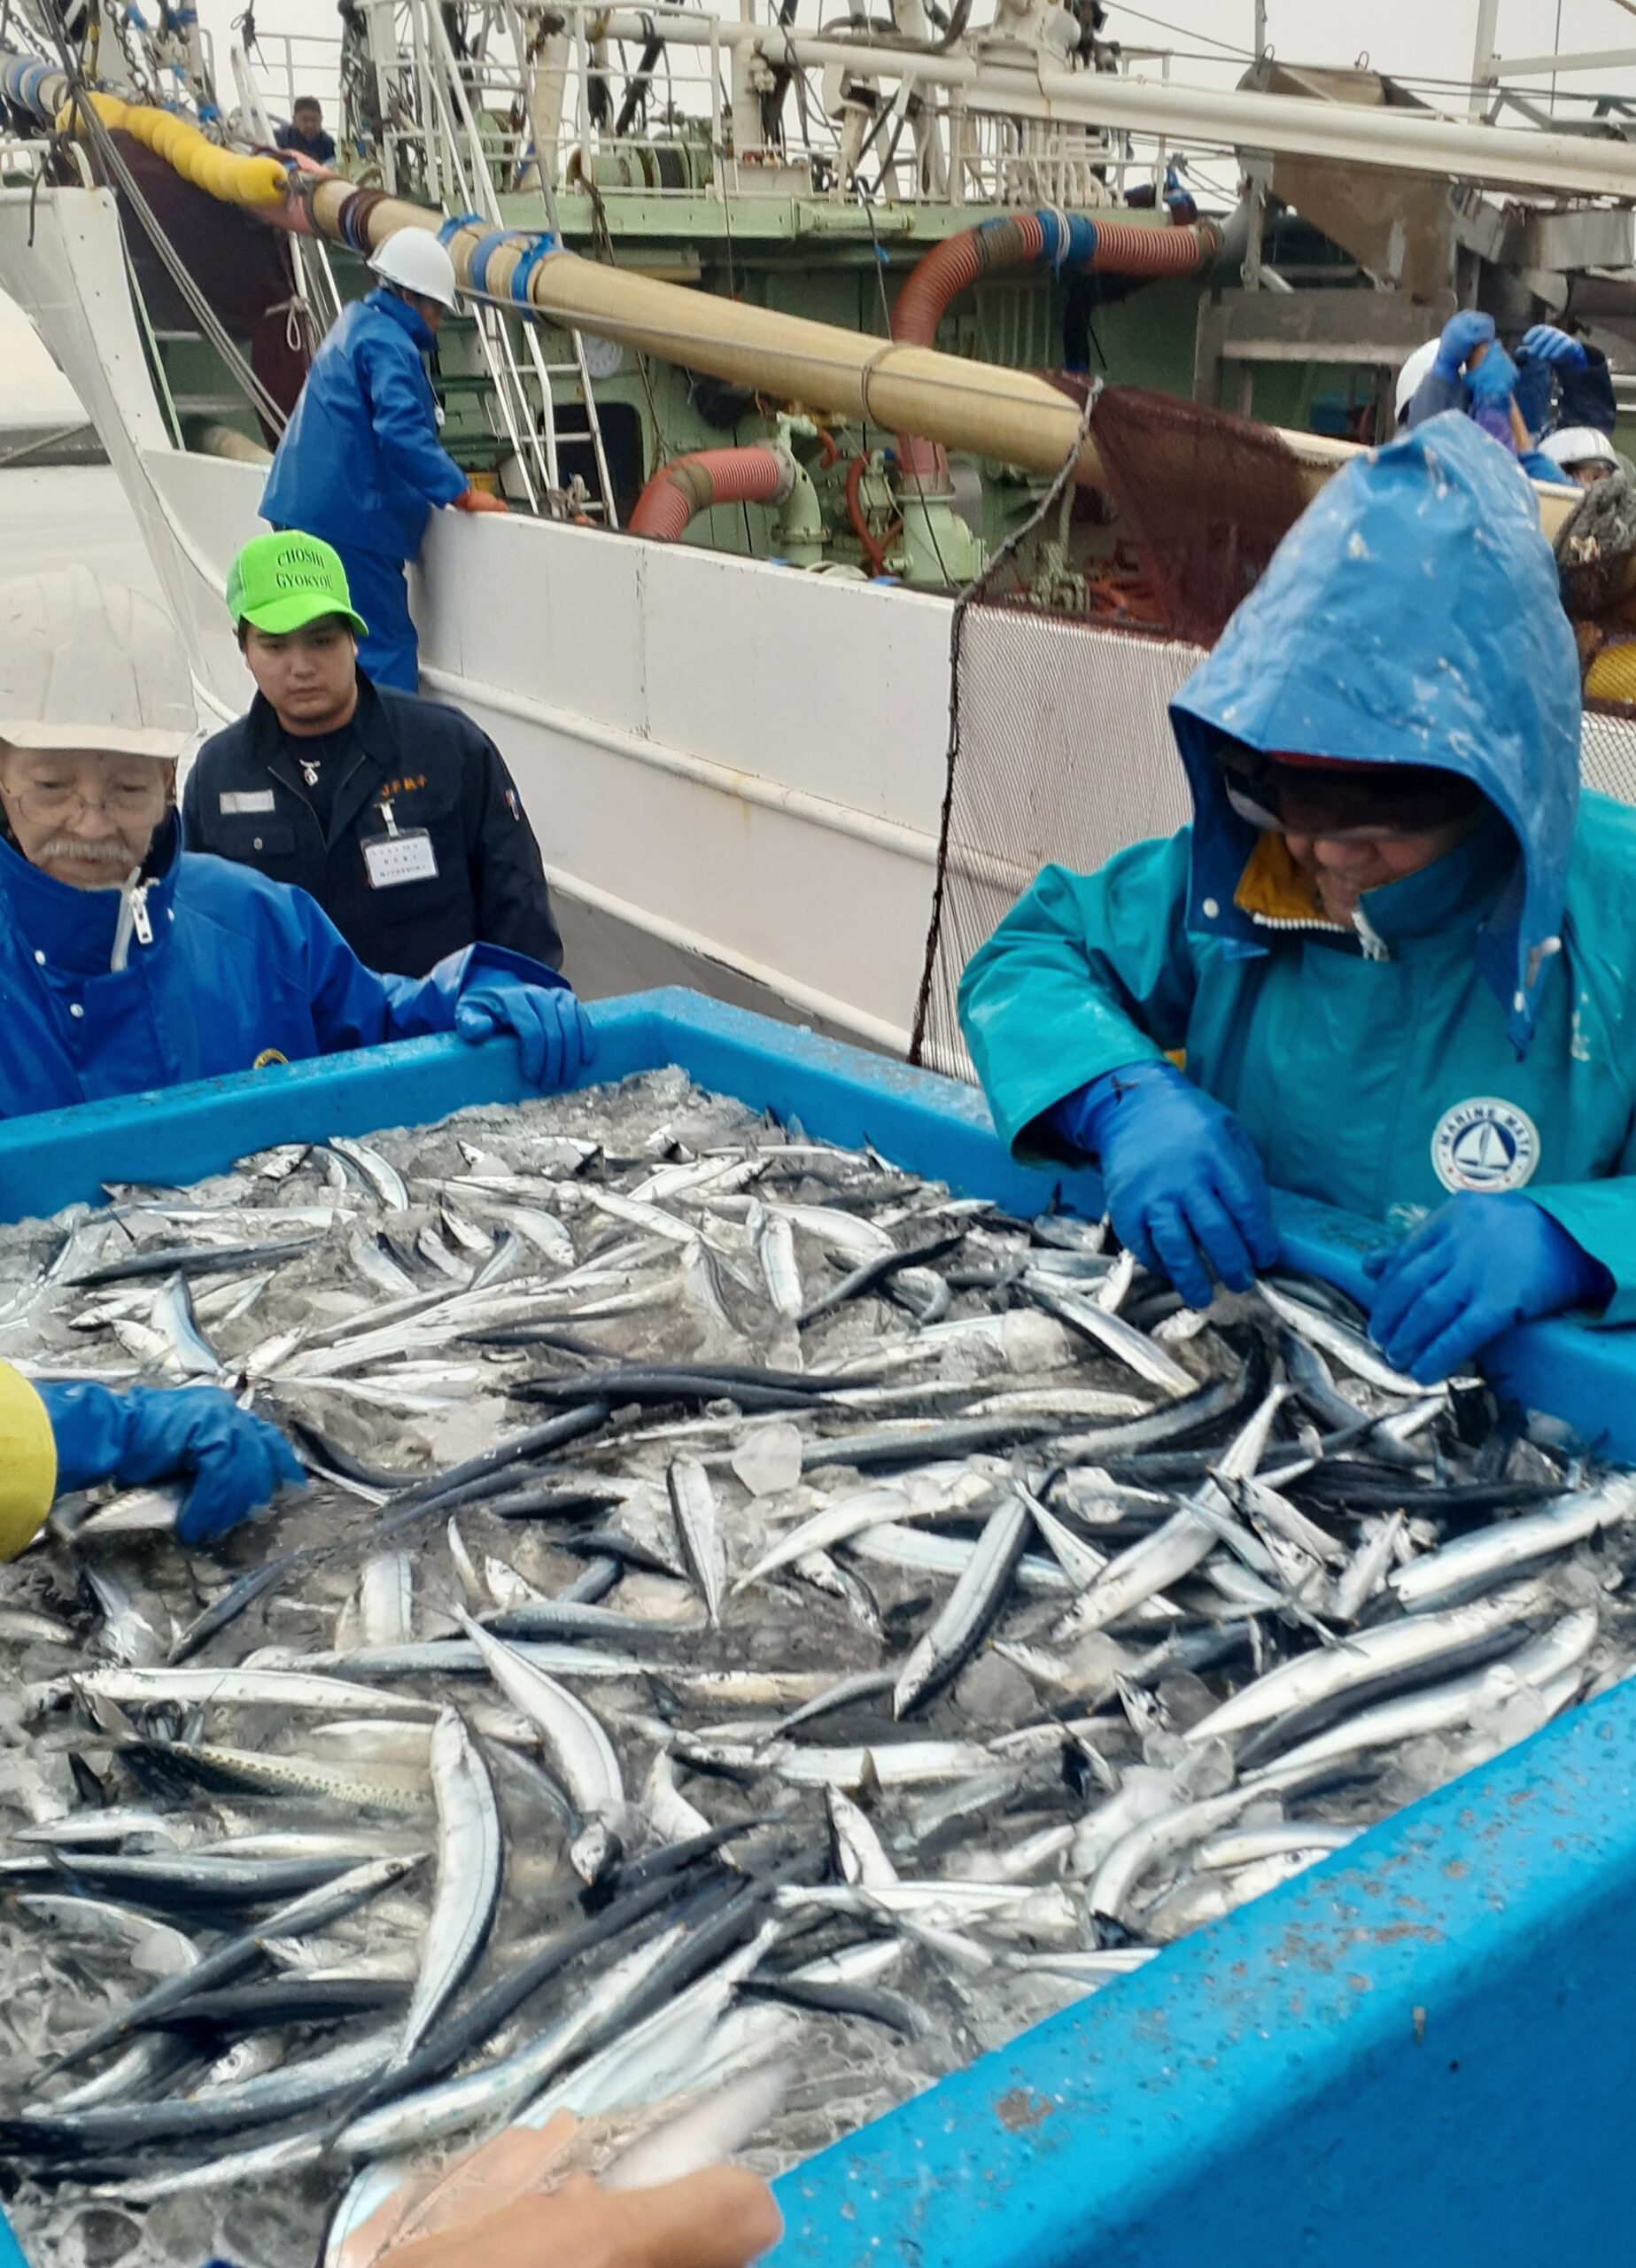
[[281, 582]]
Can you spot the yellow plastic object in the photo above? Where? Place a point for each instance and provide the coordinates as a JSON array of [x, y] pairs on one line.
[[1612, 675], [28, 1462], [225, 175]]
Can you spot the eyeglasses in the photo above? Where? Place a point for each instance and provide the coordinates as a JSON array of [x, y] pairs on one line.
[[1382, 804], [126, 802]]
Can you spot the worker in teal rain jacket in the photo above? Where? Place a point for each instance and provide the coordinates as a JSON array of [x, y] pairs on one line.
[[1393, 951], [359, 462]]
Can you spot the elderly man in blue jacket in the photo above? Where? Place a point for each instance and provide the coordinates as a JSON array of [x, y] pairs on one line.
[[126, 963], [1393, 951], [359, 462]]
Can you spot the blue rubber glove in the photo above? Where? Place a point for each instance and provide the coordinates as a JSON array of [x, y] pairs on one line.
[[1183, 1184], [237, 1462], [1544, 343], [1480, 1264], [1493, 381], [1490, 388], [555, 1038], [1462, 335]]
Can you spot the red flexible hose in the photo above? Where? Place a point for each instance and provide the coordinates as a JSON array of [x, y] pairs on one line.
[[691, 485], [931, 286], [1123, 248], [1126, 248]]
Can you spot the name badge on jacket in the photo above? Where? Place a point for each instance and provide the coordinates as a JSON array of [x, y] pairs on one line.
[[247, 802], [405, 858]]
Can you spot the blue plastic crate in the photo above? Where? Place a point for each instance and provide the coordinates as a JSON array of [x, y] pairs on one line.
[[1420, 2053]]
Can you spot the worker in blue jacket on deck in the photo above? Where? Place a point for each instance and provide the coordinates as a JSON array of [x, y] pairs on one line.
[[1557, 383], [126, 963], [359, 462], [1393, 951]]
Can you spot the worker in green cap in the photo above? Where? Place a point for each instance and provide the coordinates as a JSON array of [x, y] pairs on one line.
[[397, 815]]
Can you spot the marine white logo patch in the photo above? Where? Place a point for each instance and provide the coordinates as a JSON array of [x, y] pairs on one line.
[[1485, 1144]]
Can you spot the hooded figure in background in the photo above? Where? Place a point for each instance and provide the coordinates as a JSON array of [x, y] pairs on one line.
[[1393, 950]]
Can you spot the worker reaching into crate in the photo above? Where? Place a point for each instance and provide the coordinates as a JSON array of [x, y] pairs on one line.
[[1394, 950], [126, 963], [65, 1434]]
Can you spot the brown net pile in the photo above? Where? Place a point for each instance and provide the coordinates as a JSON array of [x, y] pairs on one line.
[[1206, 499]]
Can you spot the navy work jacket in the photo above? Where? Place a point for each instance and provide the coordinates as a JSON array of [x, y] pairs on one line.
[[319, 147], [225, 972], [245, 800]]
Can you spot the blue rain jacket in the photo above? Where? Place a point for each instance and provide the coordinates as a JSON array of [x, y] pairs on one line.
[[234, 972], [359, 462], [1583, 397], [1477, 1030]]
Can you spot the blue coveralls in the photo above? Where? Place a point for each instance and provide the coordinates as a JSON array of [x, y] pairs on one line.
[[1584, 397], [1475, 1030], [226, 972], [360, 465]]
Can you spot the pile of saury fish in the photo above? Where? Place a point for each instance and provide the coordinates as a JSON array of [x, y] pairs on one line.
[[743, 1596]]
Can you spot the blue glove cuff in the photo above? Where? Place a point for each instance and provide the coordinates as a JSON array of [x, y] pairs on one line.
[[1587, 1283], [1079, 1119], [91, 1426]]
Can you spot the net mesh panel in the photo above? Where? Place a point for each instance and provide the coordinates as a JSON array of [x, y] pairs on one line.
[[1607, 750], [1063, 755], [1059, 746]]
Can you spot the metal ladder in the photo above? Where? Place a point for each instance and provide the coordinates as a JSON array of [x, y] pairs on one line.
[[579, 369], [476, 190]]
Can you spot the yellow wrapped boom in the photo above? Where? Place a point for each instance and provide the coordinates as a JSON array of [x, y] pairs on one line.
[[222, 173]]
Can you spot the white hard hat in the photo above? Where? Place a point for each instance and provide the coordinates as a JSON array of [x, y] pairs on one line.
[[1573, 445], [88, 664], [1410, 376], [414, 260]]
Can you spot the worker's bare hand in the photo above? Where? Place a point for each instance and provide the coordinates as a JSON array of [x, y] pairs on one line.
[[722, 2218]]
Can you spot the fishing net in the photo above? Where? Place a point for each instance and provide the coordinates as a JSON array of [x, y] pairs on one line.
[[1059, 746], [1607, 749], [1060, 753]]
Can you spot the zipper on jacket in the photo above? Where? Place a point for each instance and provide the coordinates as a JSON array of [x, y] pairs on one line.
[[309, 773], [1375, 946], [1313, 925], [341, 786], [133, 920]]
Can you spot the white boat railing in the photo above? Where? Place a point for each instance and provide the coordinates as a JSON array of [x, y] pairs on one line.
[[677, 92]]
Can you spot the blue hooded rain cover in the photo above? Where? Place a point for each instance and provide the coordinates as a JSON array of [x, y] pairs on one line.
[[1411, 616]]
